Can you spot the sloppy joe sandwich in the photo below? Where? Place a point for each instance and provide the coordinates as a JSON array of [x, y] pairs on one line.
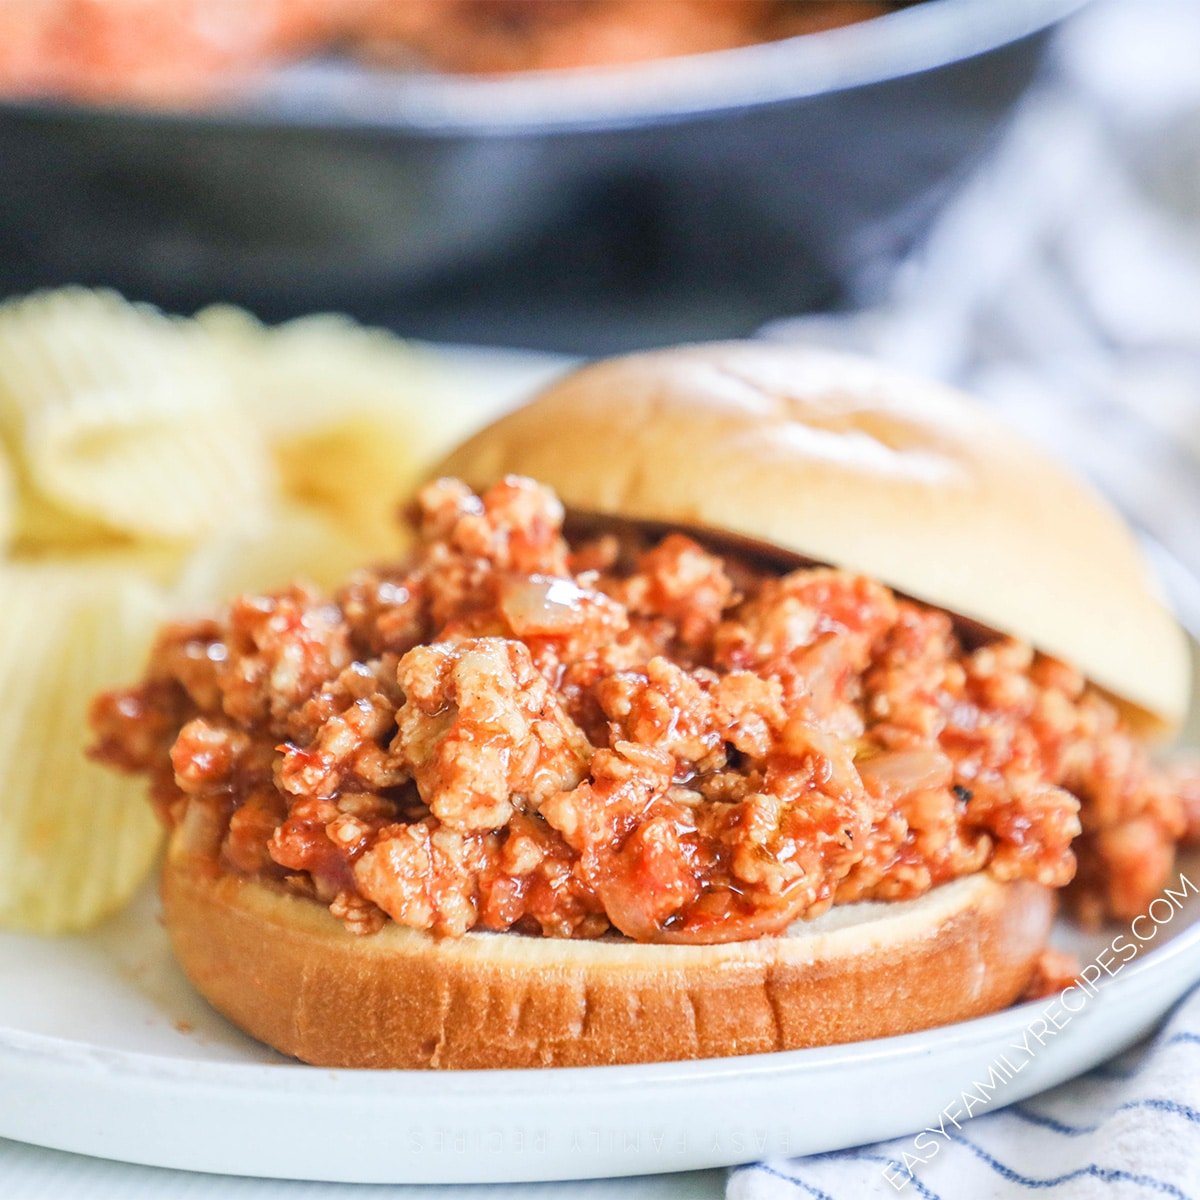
[[734, 698]]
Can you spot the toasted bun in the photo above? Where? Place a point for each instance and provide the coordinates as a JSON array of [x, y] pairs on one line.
[[854, 464], [284, 970]]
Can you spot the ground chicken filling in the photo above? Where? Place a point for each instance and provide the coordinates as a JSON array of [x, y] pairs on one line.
[[621, 733]]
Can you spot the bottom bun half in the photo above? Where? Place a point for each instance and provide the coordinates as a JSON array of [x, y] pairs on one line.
[[284, 970]]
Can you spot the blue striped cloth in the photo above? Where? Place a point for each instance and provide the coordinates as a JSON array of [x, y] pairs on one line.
[[1129, 1130]]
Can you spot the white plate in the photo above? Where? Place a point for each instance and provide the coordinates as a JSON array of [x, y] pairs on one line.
[[106, 1050]]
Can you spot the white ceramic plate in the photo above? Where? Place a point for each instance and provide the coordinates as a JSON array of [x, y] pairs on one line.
[[105, 1050]]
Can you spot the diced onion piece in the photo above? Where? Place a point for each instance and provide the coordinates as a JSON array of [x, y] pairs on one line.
[[897, 773], [542, 606]]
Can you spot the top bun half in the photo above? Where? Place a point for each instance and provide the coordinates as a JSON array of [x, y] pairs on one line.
[[851, 463]]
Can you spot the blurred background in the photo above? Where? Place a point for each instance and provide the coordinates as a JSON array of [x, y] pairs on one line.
[[1002, 194], [498, 171]]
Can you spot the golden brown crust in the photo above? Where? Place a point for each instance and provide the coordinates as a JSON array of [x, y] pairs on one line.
[[861, 466], [284, 970]]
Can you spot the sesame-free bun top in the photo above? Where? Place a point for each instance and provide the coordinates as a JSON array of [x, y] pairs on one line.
[[848, 462]]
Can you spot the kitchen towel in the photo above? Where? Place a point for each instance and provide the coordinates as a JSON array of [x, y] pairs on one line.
[[1063, 285], [1129, 1130]]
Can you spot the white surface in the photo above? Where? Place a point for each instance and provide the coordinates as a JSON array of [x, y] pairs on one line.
[[32, 1173]]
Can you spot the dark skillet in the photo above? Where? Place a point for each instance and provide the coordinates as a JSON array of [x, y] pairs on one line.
[[589, 210]]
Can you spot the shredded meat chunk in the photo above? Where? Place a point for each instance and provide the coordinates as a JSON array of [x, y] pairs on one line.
[[1054, 972], [517, 731], [482, 732]]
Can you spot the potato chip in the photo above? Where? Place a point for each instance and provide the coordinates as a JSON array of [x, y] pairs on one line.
[[299, 543], [343, 408], [313, 372], [8, 501], [77, 839], [150, 465], [40, 527], [354, 415], [116, 417]]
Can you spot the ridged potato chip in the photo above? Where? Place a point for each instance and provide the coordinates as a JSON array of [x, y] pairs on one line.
[[117, 417], [299, 543], [355, 415], [350, 412], [76, 840], [151, 465], [8, 501]]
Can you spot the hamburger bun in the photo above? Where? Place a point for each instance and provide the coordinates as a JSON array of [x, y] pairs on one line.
[[848, 462], [283, 969], [822, 456]]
